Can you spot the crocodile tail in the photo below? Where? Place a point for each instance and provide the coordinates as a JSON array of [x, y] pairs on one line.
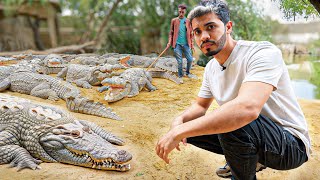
[[86, 106], [164, 74]]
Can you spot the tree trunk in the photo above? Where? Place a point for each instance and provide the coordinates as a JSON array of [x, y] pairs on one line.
[[56, 22], [36, 34], [316, 4], [86, 35], [105, 21], [58, 50]]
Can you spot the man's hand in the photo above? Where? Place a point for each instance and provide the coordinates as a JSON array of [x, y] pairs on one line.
[[166, 144], [176, 122]]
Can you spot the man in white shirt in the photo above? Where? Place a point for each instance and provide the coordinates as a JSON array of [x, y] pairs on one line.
[[259, 120]]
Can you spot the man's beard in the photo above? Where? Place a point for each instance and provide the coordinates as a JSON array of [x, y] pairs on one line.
[[221, 42]]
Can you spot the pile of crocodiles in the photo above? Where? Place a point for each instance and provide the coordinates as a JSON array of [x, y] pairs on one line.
[[31, 133], [89, 70], [26, 81]]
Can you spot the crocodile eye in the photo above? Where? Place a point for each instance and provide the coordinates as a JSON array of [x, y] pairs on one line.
[[60, 127], [86, 129], [75, 133]]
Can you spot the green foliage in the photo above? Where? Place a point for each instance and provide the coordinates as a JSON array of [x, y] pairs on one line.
[[314, 47], [12, 2], [9, 5], [122, 34], [315, 79], [151, 19], [300, 7], [248, 22], [135, 20]]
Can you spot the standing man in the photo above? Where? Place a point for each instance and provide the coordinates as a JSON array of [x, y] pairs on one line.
[[258, 120], [180, 38]]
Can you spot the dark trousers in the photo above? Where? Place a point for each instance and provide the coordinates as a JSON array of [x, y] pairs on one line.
[[260, 141]]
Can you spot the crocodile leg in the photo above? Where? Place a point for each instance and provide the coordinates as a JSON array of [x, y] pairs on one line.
[[11, 152], [150, 87], [43, 91], [63, 73], [103, 133], [5, 84], [114, 74], [83, 83], [17, 157], [134, 90], [164, 74]]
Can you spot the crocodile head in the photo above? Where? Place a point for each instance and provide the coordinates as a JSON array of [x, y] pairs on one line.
[[53, 60], [97, 76], [118, 88], [76, 144], [33, 66], [108, 68]]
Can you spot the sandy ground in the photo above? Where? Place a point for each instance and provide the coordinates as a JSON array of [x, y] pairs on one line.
[[147, 117]]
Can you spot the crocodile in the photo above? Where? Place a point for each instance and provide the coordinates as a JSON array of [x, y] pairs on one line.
[[87, 76], [31, 133], [131, 82], [5, 71], [168, 63], [52, 64], [44, 86]]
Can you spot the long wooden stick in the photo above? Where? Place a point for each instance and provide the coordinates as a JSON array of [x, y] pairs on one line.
[[158, 57]]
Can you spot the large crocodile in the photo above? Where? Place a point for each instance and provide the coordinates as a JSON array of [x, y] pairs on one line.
[[87, 76], [31, 133], [131, 82], [27, 82], [168, 63]]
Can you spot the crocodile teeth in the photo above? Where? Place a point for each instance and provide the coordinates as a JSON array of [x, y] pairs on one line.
[[123, 168]]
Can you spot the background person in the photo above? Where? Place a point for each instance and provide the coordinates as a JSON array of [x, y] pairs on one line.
[[180, 38]]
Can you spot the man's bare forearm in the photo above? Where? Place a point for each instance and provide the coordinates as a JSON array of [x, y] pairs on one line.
[[196, 110], [230, 116]]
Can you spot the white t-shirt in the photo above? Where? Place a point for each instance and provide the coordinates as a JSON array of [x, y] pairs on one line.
[[257, 61]]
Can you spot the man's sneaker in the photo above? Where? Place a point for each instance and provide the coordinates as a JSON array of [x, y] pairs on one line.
[[225, 171], [180, 80], [192, 76], [260, 167]]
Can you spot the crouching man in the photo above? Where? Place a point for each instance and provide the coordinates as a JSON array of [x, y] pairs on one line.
[[259, 122]]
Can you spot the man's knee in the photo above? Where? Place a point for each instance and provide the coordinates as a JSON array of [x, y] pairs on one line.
[[177, 54], [239, 141], [208, 142]]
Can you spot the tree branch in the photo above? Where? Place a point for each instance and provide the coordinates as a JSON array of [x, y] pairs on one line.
[[316, 5], [36, 34], [58, 50], [105, 21]]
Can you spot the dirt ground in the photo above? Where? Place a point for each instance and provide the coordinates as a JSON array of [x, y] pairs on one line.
[[147, 117]]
